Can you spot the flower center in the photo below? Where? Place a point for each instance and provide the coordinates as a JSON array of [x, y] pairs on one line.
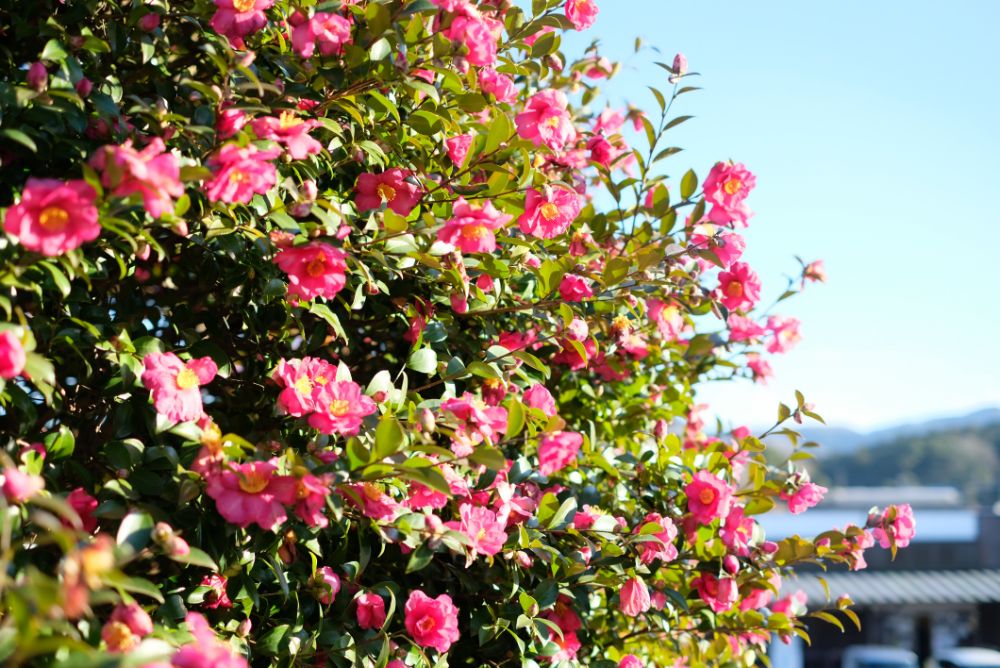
[[119, 636], [321, 380], [186, 379], [372, 492], [288, 120], [551, 122], [734, 289], [475, 232], [238, 176], [53, 218], [339, 407], [244, 5], [732, 186], [480, 535], [426, 624], [386, 192], [254, 482], [550, 211], [316, 266], [303, 385], [301, 490], [706, 495]]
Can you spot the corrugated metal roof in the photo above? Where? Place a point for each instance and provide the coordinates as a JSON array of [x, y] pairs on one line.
[[901, 587]]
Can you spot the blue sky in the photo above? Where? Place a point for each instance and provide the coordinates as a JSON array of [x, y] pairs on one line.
[[874, 131]]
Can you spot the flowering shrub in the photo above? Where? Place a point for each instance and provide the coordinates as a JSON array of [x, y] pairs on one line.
[[355, 333]]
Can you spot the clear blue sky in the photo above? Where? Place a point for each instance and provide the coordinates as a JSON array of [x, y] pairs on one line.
[[874, 131]]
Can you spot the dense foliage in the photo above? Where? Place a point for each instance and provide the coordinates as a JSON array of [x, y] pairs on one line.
[[355, 333]]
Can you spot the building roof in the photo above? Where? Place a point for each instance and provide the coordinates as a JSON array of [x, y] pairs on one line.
[[901, 587]]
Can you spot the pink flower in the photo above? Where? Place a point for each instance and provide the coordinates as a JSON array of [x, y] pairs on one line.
[[154, 172], [599, 68], [574, 288], [392, 187], [897, 526], [758, 598], [240, 172], [310, 499], [38, 76], [549, 213], [740, 287], [720, 594], [814, 272], [630, 661], [537, 396], [759, 367], [806, 496], [431, 622], [327, 30], [481, 527], [251, 493], [326, 585], [581, 13], [665, 550], [726, 186], [84, 505], [479, 34], [785, 333], [19, 486], [725, 244], [149, 22], [229, 122], [634, 597], [134, 617], [558, 450], [668, 318], [568, 645], [301, 380], [545, 120], [458, 148], [498, 85], [374, 503], [742, 328], [601, 150], [708, 497], [216, 597], [12, 355], [206, 651], [54, 217], [371, 611], [175, 384], [737, 531], [340, 408], [291, 132], [680, 68], [855, 549], [238, 18], [315, 269], [793, 604], [470, 229], [477, 422]]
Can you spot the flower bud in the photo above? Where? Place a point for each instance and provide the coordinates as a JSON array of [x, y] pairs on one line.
[[38, 76], [149, 22], [84, 86], [731, 564]]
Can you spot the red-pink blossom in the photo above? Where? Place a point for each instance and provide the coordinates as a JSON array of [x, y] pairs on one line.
[[230, 121], [575, 288], [630, 661], [340, 408], [315, 269], [545, 120], [325, 584], [251, 493], [301, 380], [394, 187], [896, 526], [240, 173], [482, 528], [153, 172], [374, 502], [581, 13], [791, 605], [708, 497], [814, 272], [458, 148], [84, 505], [37, 77], [757, 598], [727, 245], [634, 597], [175, 384], [134, 617], [726, 186], [479, 34], [806, 496], [742, 328], [290, 131], [720, 594], [477, 422], [498, 85], [216, 597], [238, 18], [19, 486], [549, 212], [537, 396], [736, 531], [664, 550], [310, 499], [759, 367], [12, 355], [207, 651], [470, 229], [601, 150], [54, 217], [431, 622], [739, 287], [149, 22], [329, 31], [370, 610], [668, 318], [784, 332], [558, 450], [680, 68]]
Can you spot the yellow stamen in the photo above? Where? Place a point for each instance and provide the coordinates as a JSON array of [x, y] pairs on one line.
[[244, 5], [53, 218], [186, 379], [288, 119], [386, 192], [706, 495], [253, 483], [339, 407], [550, 211], [732, 186], [316, 266]]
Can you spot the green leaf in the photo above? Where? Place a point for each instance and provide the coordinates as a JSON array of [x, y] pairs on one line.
[[389, 437], [196, 557], [491, 458], [380, 49], [419, 558], [53, 51], [423, 361], [59, 443], [689, 183], [20, 138], [135, 530]]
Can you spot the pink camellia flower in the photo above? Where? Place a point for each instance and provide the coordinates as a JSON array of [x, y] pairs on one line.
[[118, 637], [479, 35], [301, 380], [310, 499], [149, 22], [340, 408], [84, 87], [897, 526], [545, 120], [665, 550], [229, 122], [240, 173], [855, 549], [630, 661], [558, 450], [634, 597], [477, 422], [601, 150], [458, 148], [726, 186], [581, 13], [134, 617], [537, 396], [742, 328], [806, 496], [153, 172], [785, 333], [791, 605], [291, 132], [740, 287], [315, 269], [54, 217], [720, 594], [498, 85], [392, 187], [725, 244], [330, 32], [482, 528], [708, 497], [759, 367], [668, 318], [19, 486], [371, 610], [374, 503], [216, 597], [680, 68], [251, 493], [12, 355], [470, 228], [326, 585], [549, 213], [431, 622], [84, 505], [737, 531], [574, 288], [814, 272], [38, 76], [206, 651], [599, 68], [238, 18], [759, 597], [175, 384]]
